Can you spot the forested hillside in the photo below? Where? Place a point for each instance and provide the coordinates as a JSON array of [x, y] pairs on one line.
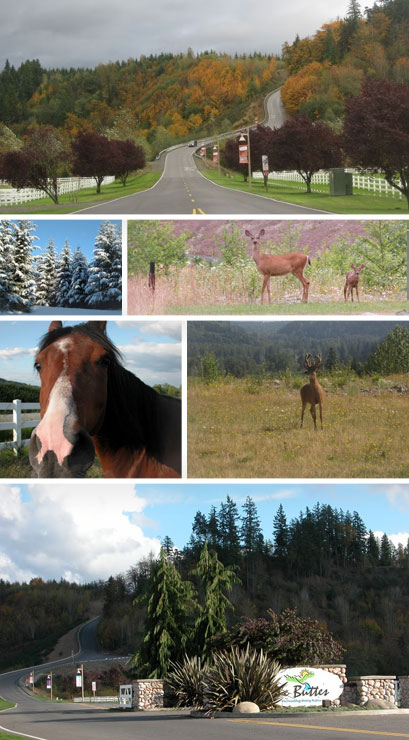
[[325, 69], [242, 348], [323, 563], [163, 98]]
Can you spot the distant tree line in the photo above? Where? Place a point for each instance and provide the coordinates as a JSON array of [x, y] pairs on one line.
[[28, 280], [231, 349]]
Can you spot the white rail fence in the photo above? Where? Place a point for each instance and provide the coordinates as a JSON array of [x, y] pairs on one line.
[[12, 196], [18, 419], [375, 185]]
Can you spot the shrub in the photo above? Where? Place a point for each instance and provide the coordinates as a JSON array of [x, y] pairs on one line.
[[242, 675], [187, 682]]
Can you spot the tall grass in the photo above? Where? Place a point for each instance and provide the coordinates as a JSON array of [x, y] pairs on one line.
[[239, 429], [224, 285]]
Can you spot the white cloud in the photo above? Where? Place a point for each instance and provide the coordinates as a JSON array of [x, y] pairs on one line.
[[87, 531], [9, 353], [398, 496], [398, 538]]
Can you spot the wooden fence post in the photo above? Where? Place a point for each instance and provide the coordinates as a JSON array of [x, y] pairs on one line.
[[151, 280]]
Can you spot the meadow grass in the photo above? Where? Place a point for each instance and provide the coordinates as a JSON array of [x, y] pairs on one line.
[[225, 290], [75, 201], [243, 429], [290, 192]]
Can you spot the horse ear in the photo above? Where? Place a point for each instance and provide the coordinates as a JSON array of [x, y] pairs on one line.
[[98, 325], [55, 325]]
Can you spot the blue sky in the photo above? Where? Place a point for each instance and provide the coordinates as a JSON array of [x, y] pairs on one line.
[[79, 232], [151, 349], [112, 525], [171, 509]]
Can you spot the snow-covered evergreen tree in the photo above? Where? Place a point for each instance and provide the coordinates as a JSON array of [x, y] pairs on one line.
[[79, 281], [47, 276], [64, 275], [105, 271], [6, 261], [22, 283]]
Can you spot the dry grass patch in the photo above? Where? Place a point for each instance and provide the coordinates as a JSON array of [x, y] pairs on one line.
[[237, 430]]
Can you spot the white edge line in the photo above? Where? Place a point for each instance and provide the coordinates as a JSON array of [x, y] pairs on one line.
[[265, 197], [122, 197], [21, 734]]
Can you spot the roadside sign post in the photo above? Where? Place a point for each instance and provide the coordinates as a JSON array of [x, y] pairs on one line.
[[49, 684], [31, 679], [94, 687], [79, 679]]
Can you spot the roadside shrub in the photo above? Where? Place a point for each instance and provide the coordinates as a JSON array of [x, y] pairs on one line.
[[187, 682], [242, 675]]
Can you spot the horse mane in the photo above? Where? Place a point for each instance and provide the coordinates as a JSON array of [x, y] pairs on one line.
[[132, 411]]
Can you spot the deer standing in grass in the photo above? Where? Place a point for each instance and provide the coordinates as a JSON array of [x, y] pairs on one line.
[[312, 392], [351, 282], [272, 265]]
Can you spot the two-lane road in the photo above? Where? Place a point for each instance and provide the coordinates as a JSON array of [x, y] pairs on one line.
[[183, 190]]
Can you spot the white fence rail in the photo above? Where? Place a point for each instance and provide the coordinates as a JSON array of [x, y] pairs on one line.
[[12, 196], [375, 185], [17, 419]]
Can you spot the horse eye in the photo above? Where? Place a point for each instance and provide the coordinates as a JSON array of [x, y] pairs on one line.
[[104, 361], [37, 366]]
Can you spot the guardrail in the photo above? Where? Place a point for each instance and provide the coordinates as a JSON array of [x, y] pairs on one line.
[[17, 423]]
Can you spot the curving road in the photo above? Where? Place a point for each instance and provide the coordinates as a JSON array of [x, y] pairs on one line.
[[64, 721], [275, 113], [183, 190]]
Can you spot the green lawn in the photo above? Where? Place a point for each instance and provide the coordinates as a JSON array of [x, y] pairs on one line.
[[72, 202], [360, 202], [379, 307], [5, 704]]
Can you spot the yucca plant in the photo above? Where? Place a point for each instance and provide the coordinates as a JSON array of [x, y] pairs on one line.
[[187, 681], [242, 675]]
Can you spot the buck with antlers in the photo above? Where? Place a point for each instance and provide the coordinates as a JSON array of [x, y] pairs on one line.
[[312, 392], [351, 282], [272, 265]]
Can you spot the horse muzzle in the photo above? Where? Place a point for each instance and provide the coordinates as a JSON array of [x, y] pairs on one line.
[[80, 456]]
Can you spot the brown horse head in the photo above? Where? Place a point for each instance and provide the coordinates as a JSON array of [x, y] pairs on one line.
[[73, 366]]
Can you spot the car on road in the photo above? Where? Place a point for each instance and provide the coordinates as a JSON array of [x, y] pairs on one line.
[[193, 143]]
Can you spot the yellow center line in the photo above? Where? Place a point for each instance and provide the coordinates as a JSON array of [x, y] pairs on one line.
[[322, 727], [200, 211]]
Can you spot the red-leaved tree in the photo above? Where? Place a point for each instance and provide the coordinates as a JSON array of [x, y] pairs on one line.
[[304, 146], [93, 156], [126, 158], [38, 164], [376, 131]]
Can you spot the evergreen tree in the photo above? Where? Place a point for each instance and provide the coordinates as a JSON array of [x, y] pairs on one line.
[[6, 261], [105, 271], [170, 602], [229, 530], [331, 362], [47, 276], [391, 355], [79, 279], [281, 535], [215, 579], [22, 284], [372, 549], [64, 275], [251, 534], [213, 535], [386, 551], [354, 10]]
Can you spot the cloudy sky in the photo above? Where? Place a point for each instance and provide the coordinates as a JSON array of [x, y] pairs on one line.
[[88, 32], [151, 349], [83, 531]]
